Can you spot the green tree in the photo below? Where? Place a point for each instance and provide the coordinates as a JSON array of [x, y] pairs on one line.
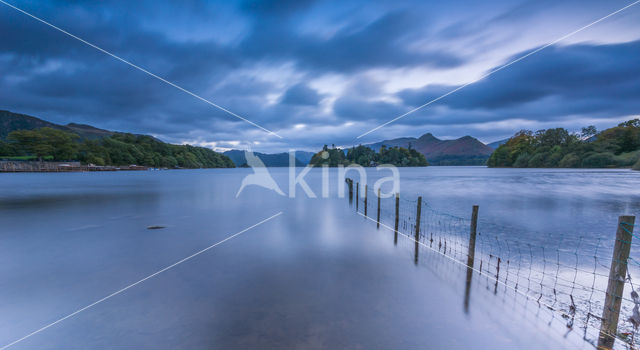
[[46, 142], [588, 132], [617, 146]]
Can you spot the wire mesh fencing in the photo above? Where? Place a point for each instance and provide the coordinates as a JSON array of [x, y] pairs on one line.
[[588, 281]]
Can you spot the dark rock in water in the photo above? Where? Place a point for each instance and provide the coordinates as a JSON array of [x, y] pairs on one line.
[[155, 227]]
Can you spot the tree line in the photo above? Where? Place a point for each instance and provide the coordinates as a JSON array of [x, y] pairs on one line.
[[557, 148], [117, 149], [365, 156]]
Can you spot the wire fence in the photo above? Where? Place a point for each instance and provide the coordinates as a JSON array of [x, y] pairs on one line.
[[566, 274]]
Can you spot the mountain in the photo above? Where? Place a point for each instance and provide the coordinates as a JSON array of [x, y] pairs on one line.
[[10, 121], [304, 156], [463, 151], [269, 160], [88, 131], [497, 144]]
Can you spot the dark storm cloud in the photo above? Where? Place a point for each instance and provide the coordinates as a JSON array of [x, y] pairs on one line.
[[275, 7], [90, 82], [301, 94], [601, 80], [234, 54], [383, 43]]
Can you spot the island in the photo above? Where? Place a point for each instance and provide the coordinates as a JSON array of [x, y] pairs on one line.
[[365, 156]]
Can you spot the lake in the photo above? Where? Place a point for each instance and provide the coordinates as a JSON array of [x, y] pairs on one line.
[[316, 276]]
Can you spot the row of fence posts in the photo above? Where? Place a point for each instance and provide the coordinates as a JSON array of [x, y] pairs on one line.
[[617, 272]]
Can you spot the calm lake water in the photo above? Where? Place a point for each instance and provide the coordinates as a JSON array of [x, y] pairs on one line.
[[317, 276]]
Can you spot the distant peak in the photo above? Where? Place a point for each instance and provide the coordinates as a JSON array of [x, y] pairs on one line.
[[428, 136]]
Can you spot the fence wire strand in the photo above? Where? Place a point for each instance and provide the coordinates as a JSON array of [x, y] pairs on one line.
[[563, 275]]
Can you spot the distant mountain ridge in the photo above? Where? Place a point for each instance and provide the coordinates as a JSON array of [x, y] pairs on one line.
[[466, 150], [10, 121], [497, 144], [270, 160]]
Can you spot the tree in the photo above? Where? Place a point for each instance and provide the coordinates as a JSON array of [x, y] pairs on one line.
[[32, 142], [118, 149], [63, 143], [617, 146], [7, 149], [588, 132]]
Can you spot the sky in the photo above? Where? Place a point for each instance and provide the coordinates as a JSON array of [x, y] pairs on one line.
[[321, 72]]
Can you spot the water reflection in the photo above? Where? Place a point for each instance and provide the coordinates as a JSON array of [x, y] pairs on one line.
[[526, 310], [322, 278], [467, 288]]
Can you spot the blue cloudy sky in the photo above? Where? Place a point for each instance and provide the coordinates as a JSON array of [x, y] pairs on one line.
[[319, 72]]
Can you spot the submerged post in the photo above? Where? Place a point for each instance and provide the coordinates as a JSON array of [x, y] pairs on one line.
[[395, 232], [378, 207], [417, 238], [615, 288], [366, 191]]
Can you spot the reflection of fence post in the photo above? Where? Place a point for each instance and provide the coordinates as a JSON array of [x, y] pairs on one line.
[[617, 277], [417, 239], [366, 192], [395, 233], [350, 183], [472, 236], [418, 212], [357, 195], [378, 207]]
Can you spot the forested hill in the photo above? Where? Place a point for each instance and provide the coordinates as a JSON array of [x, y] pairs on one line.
[[557, 148], [10, 121], [25, 137]]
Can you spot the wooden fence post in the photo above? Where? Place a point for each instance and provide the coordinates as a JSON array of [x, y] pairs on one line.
[[617, 277], [378, 207], [350, 184], [471, 256], [366, 191], [395, 233], [417, 238], [472, 236]]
